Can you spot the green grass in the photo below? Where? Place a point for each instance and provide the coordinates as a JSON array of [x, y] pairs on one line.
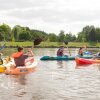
[[70, 44], [18, 43], [52, 44]]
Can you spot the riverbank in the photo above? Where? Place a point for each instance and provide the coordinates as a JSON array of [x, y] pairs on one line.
[[51, 44]]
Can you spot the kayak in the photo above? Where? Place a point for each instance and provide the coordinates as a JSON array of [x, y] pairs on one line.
[[57, 58], [30, 66], [2, 68], [65, 57], [82, 61], [5, 65]]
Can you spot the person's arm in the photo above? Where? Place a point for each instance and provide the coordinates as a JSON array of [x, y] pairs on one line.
[[30, 53], [65, 52]]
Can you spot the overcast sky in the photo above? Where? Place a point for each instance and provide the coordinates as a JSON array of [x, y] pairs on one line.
[[51, 15]]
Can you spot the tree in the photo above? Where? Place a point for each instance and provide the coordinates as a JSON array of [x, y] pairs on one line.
[[25, 36], [61, 36], [52, 37], [39, 34], [81, 37], [6, 32], [97, 34], [92, 35], [1, 37], [16, 31], [84, 34]]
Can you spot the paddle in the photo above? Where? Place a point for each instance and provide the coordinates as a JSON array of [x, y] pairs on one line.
[[37, 41], [66, 43], [4, 45]]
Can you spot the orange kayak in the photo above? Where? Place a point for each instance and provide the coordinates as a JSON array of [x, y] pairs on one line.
[[82, 61], [29, 67]]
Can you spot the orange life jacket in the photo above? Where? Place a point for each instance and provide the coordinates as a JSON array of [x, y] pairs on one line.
[[17, 54]]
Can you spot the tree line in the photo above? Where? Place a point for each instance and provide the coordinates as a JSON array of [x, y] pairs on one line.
[[19, 33], [89, 34]]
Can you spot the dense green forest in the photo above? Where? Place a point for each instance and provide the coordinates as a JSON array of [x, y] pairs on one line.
[[19, 33]]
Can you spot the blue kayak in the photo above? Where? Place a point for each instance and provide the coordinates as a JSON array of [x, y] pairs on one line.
[[65, 57]]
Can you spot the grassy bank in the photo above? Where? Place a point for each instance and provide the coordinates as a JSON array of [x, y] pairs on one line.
[[51, 44], [70, 44]]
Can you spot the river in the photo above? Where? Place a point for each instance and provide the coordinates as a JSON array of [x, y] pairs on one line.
[[52, 80]]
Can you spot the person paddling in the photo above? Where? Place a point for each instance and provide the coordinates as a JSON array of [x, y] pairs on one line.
[[61, 51], [80, 52], [20, 57]]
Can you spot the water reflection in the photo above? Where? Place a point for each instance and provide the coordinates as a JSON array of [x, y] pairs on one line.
[[21, 79], [98, 66], [82, 66], [60, 64]]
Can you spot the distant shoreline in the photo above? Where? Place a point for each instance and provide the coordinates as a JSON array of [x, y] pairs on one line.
[[47, 47], [51, 44]]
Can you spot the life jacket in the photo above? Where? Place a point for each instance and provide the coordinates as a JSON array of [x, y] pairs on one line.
[[17, 54], [60, 52]]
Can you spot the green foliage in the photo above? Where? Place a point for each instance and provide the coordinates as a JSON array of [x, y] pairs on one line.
[[1, 36], [89, 34], [5, 30], [19, 33], [61, 36], [52, 37], [92, 43], [81, 37], [24, 36], [70, 37], [39, 34], [92, 35], [97, 34], [16, 31]]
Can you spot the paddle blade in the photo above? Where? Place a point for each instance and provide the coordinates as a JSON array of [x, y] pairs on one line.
[[37, 41], [66, 42]]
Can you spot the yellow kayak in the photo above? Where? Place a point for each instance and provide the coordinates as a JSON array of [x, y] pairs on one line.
[[2, 68], [6, 63]]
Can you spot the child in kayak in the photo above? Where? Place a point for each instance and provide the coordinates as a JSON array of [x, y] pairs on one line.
[[80, 52]]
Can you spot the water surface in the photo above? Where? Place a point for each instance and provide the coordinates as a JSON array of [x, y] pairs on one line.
[[54, 80]]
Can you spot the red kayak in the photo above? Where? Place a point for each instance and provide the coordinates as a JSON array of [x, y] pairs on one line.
[[82, 61]]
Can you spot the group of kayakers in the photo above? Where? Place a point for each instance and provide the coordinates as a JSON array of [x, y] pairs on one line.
[[61, 51], [20, 57]]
